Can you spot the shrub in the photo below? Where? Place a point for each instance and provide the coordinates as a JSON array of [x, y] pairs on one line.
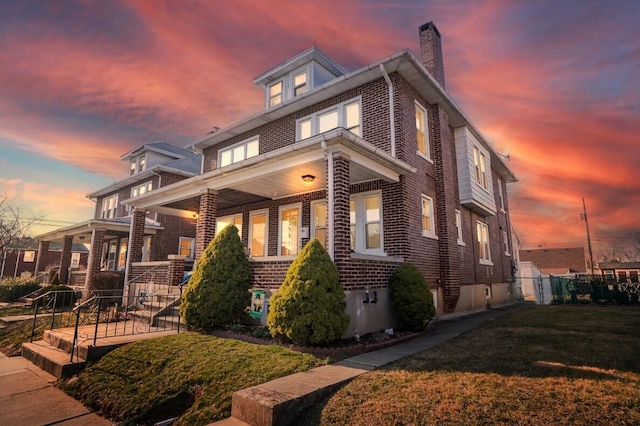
[[55, 280], [218, 290], [411, 298], [108, 284], [64, 296], [310, 306], [12, 289]]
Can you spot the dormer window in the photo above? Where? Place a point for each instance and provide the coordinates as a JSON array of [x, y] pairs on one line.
[[142, 162], [132, 167], [300, 83], [137, 165], [275, 94]]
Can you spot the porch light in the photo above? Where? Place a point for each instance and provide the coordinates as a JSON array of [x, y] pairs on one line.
[[308, 178]]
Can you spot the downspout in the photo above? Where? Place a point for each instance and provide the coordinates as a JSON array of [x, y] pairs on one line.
[[392, 115], [330, 219]]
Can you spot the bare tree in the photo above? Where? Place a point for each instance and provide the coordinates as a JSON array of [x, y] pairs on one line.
[[14, 225]]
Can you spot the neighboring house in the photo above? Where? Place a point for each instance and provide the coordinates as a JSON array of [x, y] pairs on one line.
[[622, 272], [149, 168], [20, 260], [379, 164], [557, 261]]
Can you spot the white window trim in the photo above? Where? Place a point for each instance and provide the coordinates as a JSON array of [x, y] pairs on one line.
[[427, 155], [341, 117], [459, 228], [252, 214], [282, 93], [359, 201], [105, 212], [501, 196], [75, 260], [230, 148], [192, 246], [432, 220], [297, 206], [484, 260]]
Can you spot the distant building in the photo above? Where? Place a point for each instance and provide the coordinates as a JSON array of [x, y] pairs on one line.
[[557, 261], [20, 260], [623, 272]]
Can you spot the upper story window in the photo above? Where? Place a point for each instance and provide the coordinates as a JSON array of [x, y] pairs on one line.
[[243, 150], [422, 132], [300, 83], [500, 195], [505, 242], [275, 94], [137, 165], [141, 189], [459, 227], [109, 206], [480, 162], [484, 249], [366, 223], [346, 115], [428, 225]]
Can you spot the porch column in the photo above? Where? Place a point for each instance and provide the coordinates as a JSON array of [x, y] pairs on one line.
[[446, 205], [43, 252], [65, 259], [136, 239], [206, 225], [176, 269], [339, 194], [95, 256]]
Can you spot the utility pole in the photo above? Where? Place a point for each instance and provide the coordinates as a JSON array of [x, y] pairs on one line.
[[584, 206]]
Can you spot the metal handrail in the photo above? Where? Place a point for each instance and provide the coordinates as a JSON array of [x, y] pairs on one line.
[[36, 303]]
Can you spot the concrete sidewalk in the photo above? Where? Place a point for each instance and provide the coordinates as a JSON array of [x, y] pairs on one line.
[[29, 397]]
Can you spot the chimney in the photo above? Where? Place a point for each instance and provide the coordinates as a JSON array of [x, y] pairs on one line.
[[431, 49]]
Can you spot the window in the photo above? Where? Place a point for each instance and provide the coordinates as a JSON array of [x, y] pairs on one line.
[[275, 94], [428, 227], [187, 247], [622, 276], [122, 254], [132, 167], [109, 206], [484, 251], [75, 260], [633, 276], [300, 83], [146, 249], [235, 220], [346, 115], [142, 163], [366, 223], [505, 241], [319, 222], [459, 227], [422, 132], [243, 150], [141, 189], [480, 165], [289, 230], [258, 222], [500, 196]]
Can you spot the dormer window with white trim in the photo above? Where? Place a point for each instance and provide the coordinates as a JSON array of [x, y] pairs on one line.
[[142, 163], [132, 167], [300, 83], [238, 152], [346, 115], [137, 165], [275, 94]]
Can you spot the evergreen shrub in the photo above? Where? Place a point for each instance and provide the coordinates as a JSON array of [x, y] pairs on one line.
[[309, 308], [12, 289], [218, 291], [411, 298], [64, 296]]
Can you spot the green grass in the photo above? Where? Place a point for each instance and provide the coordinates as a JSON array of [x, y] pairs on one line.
[[16, 333], [15, 310], [188, 375], [560, 365]]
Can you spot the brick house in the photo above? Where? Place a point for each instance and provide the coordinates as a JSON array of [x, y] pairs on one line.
[[380, 164], [149, 168]]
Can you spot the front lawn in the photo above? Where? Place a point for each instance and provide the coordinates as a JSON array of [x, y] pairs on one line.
[[188, 375], [539, 365]]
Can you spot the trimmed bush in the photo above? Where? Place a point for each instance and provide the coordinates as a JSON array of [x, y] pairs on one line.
[[65, 296], [218, 290], [411, 298], [12, 289], [309, 308], [108, 284]]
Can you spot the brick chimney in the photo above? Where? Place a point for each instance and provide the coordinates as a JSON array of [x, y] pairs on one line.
[[431, 49]]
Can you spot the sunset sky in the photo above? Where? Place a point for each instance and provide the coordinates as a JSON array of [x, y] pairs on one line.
[[555, 84]]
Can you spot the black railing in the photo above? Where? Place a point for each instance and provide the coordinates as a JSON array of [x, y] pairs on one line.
[[54, 303]]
